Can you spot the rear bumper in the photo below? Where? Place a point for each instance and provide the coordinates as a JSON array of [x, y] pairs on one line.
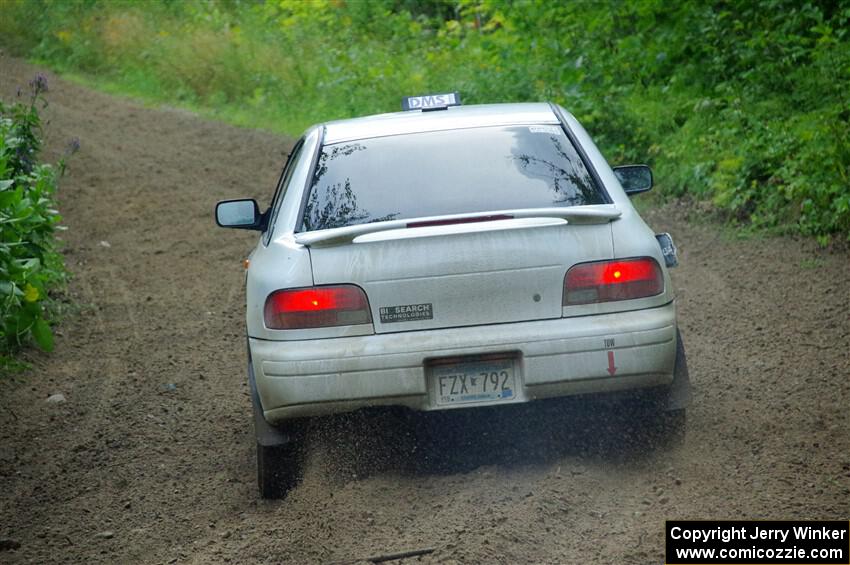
[[555, 358]]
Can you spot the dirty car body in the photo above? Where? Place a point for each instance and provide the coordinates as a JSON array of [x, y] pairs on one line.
[[438, 260]]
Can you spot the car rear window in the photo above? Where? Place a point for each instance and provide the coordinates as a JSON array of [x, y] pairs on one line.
[[447, 172]]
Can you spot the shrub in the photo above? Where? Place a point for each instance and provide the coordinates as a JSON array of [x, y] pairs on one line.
[[30, 265], [741, 103]]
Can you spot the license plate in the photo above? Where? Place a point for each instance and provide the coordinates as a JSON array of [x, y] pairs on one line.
[[474, 381]]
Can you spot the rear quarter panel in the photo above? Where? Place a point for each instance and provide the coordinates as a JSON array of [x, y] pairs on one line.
[[631, 236]]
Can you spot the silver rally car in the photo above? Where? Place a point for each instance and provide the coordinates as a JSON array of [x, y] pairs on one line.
[[448, 257]]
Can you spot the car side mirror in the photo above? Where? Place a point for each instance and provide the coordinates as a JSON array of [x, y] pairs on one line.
[[241, 214], [634, 178]]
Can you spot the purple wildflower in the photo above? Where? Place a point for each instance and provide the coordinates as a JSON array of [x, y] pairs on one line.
[[38, 84]]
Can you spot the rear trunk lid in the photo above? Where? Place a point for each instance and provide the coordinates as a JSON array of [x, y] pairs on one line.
[[463, 274]]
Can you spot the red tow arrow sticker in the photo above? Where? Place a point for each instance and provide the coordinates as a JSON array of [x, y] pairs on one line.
[[611, 368]]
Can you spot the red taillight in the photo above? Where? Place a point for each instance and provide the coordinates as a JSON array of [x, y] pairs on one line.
[[316, 307], [605, 281]]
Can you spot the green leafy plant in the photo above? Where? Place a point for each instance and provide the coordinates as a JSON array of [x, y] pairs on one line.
[[30, 265]]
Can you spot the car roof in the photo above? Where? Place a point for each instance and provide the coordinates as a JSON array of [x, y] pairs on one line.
[[453, 117]]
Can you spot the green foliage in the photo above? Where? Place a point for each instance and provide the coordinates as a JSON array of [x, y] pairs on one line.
[[741, 103], [30, 266]]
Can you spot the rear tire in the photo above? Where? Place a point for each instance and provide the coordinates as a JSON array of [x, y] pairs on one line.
[[279, 448], [669, 404], [278, 469]]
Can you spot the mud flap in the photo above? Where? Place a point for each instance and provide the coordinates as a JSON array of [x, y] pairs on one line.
[[679, 394]]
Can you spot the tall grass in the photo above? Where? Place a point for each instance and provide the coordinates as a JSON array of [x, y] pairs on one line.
[[742, 103]]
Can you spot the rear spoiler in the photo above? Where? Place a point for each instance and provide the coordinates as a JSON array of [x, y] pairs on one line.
[[597, 214]]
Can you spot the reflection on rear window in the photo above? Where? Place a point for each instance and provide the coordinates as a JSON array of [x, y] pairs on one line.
[[447, 172]]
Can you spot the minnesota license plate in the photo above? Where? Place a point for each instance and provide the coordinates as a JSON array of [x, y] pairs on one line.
[[474, 381]]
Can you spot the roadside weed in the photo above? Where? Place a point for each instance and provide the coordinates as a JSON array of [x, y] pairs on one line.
[[31, 268]]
